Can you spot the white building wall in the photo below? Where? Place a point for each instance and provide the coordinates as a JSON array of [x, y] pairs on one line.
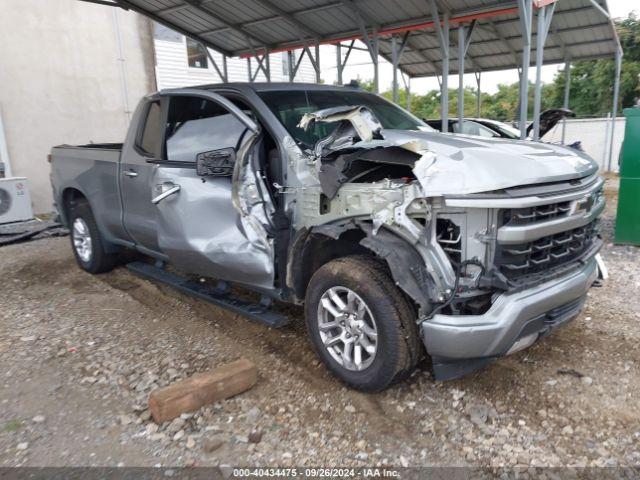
[[61, 80], [594, 134], [173, 70]]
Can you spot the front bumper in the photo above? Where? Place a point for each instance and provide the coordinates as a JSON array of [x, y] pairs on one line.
[[459, 344]]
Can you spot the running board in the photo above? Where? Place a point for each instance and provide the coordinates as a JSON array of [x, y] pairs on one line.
[[256, 312]]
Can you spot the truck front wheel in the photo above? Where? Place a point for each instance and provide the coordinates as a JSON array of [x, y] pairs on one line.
[[86, 241], [360, 323]]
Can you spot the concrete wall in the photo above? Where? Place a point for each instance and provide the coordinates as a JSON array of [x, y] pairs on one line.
[[594, 133], [61, 79]]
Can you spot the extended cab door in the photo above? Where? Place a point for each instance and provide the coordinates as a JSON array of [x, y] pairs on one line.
[[142, 150], [212, 208]]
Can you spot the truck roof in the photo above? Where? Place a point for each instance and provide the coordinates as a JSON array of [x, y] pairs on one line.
[[269, 86]]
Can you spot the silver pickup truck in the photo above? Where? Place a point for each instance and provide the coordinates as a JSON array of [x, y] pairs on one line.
[[398, 240]]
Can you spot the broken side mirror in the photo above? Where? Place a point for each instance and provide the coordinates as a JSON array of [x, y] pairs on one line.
[[216, 163]]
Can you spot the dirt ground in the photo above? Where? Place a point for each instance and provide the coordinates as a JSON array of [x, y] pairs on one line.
[[79, 355]]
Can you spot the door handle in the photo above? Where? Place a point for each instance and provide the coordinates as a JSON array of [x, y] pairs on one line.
[[165, 194], [130, 173]]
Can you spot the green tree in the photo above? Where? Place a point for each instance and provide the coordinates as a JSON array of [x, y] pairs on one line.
[[591, 92]]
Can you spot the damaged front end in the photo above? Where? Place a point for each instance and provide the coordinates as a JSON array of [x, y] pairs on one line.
[[375, 185], [465, 234]]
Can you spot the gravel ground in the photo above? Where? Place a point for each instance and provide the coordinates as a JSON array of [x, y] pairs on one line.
[[79, 355]]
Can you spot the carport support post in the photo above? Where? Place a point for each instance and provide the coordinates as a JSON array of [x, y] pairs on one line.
[[268, 65], [525, 8], [317, 65], [443, 36], [394, 62], [567, 88], [396, 53], [545, 14], [461, 44], [339, 63], [478, 93], [290, 60], [444, 96], [538, 85], [616, 93]]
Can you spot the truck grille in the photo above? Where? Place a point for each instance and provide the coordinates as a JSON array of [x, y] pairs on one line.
[[524, 216], [516, 261]]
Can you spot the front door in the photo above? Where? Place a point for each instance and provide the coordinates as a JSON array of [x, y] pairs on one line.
[[207, 224]]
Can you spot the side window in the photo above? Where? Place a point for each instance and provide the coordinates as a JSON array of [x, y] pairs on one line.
[[196, 55], [473, 128], [150, 139], [196, 125]]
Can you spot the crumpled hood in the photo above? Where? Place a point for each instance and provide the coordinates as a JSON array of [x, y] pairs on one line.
[[463, 164]]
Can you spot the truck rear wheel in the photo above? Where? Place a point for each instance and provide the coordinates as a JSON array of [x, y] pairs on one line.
[[361, 325], [86, 241]]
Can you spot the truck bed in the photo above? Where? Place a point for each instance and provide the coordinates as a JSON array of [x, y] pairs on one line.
[[92, 170]]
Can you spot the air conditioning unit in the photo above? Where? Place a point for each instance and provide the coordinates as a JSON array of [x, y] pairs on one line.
[[15, 201]]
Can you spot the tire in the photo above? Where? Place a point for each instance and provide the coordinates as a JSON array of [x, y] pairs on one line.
[[84, 233], [397, 346]]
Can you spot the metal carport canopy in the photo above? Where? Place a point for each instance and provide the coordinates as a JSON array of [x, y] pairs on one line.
[[414, 35], [252, 27]]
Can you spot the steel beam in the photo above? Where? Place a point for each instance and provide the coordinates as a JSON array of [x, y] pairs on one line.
[[407, 88], [300, 27], [201, 8], [317, 62], [538, 84], [340, 62], [464, 40], [549, 48], [545, 14], [419, 52], [263, 64], [290, 60], [525, 10], [616, 94], [600, 9], [442, 28], [222, 73], [567, 88], [478, 76], [371, 42], [102, 2], [506, 41], [397, 50], [461, 51], [375, 57], [125, 4]]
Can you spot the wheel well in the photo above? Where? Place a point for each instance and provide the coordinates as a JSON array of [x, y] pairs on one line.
[[311, 249], [316, 249], [70, 196]]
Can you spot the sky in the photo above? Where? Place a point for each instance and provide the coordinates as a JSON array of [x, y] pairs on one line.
[[359, 65]]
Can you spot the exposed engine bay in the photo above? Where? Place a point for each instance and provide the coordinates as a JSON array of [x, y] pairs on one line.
[[388, 185]]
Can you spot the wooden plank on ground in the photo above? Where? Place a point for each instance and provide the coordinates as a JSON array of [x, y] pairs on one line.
[[190, 394]]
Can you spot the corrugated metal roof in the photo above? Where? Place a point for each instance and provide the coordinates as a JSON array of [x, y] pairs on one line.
[[249, 27]]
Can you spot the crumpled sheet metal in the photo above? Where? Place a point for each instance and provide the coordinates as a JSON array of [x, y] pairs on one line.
[[363, 120]]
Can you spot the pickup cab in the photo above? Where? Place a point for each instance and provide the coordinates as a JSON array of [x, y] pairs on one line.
[[399, 241]]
